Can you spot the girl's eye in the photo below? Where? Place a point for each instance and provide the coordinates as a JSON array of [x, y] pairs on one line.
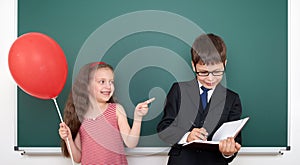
[[101, 82], [111, 82]]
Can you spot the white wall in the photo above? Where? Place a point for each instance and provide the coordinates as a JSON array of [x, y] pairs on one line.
[[8, 34]]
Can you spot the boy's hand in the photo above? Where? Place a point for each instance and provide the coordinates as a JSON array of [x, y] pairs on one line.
[[142, 108], [64, 131], [197, 134], [229, 147]]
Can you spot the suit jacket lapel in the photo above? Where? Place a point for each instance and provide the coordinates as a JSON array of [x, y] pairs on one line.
[[189, 104], [194, 94]]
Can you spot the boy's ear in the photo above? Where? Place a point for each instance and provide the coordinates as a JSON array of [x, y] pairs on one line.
[[193, 66]]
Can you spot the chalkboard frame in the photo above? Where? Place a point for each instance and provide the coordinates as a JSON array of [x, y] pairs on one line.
[[287, 147]]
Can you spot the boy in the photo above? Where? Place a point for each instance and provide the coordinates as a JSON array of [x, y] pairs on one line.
[[196, 109]]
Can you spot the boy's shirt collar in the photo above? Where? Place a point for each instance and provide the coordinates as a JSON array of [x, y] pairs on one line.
[[209, 93]]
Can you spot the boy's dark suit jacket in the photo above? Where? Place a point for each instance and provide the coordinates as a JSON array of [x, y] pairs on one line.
[[183, 112]]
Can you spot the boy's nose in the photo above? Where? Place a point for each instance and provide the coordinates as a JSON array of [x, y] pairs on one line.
[[210, 76]]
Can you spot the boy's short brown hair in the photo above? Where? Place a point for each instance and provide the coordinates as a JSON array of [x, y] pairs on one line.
[[208, 49]]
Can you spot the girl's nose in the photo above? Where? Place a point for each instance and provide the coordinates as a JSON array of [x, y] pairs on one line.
[[108, 84]]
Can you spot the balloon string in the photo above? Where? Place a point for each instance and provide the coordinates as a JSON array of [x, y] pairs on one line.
[[58, 111], [61, 120]]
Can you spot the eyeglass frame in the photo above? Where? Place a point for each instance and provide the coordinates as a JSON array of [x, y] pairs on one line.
[[212, 72], [206, 73]]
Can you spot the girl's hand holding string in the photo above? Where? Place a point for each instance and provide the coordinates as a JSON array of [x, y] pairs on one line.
[[64, 131]]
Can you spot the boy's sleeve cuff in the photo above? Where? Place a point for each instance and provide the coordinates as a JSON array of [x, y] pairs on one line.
[[184, 138], [227, 156]]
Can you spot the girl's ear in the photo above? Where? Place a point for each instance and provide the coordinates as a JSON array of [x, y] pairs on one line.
[[89, 88], [193, 66], [225, 63]]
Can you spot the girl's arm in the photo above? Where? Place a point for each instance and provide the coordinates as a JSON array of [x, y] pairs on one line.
[[131, 135], [65, 132]]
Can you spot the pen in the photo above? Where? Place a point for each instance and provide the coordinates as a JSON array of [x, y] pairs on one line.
[[193, 124]]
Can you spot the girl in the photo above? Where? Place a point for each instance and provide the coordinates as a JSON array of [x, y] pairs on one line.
[[95, 125]]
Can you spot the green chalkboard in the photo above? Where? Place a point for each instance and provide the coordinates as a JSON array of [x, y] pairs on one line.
[[148, 44]]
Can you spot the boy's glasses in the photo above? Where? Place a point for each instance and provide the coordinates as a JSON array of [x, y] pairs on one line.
[[206, 73]]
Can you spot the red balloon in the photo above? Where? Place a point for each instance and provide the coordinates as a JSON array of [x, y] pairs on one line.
[[38, 65]]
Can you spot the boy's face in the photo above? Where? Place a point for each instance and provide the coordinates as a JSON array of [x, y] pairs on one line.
[[209, 81]]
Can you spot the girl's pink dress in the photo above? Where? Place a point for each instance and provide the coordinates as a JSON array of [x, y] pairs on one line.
[[101, 141]]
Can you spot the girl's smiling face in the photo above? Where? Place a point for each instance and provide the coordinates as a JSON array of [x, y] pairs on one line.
[[102, 84]]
